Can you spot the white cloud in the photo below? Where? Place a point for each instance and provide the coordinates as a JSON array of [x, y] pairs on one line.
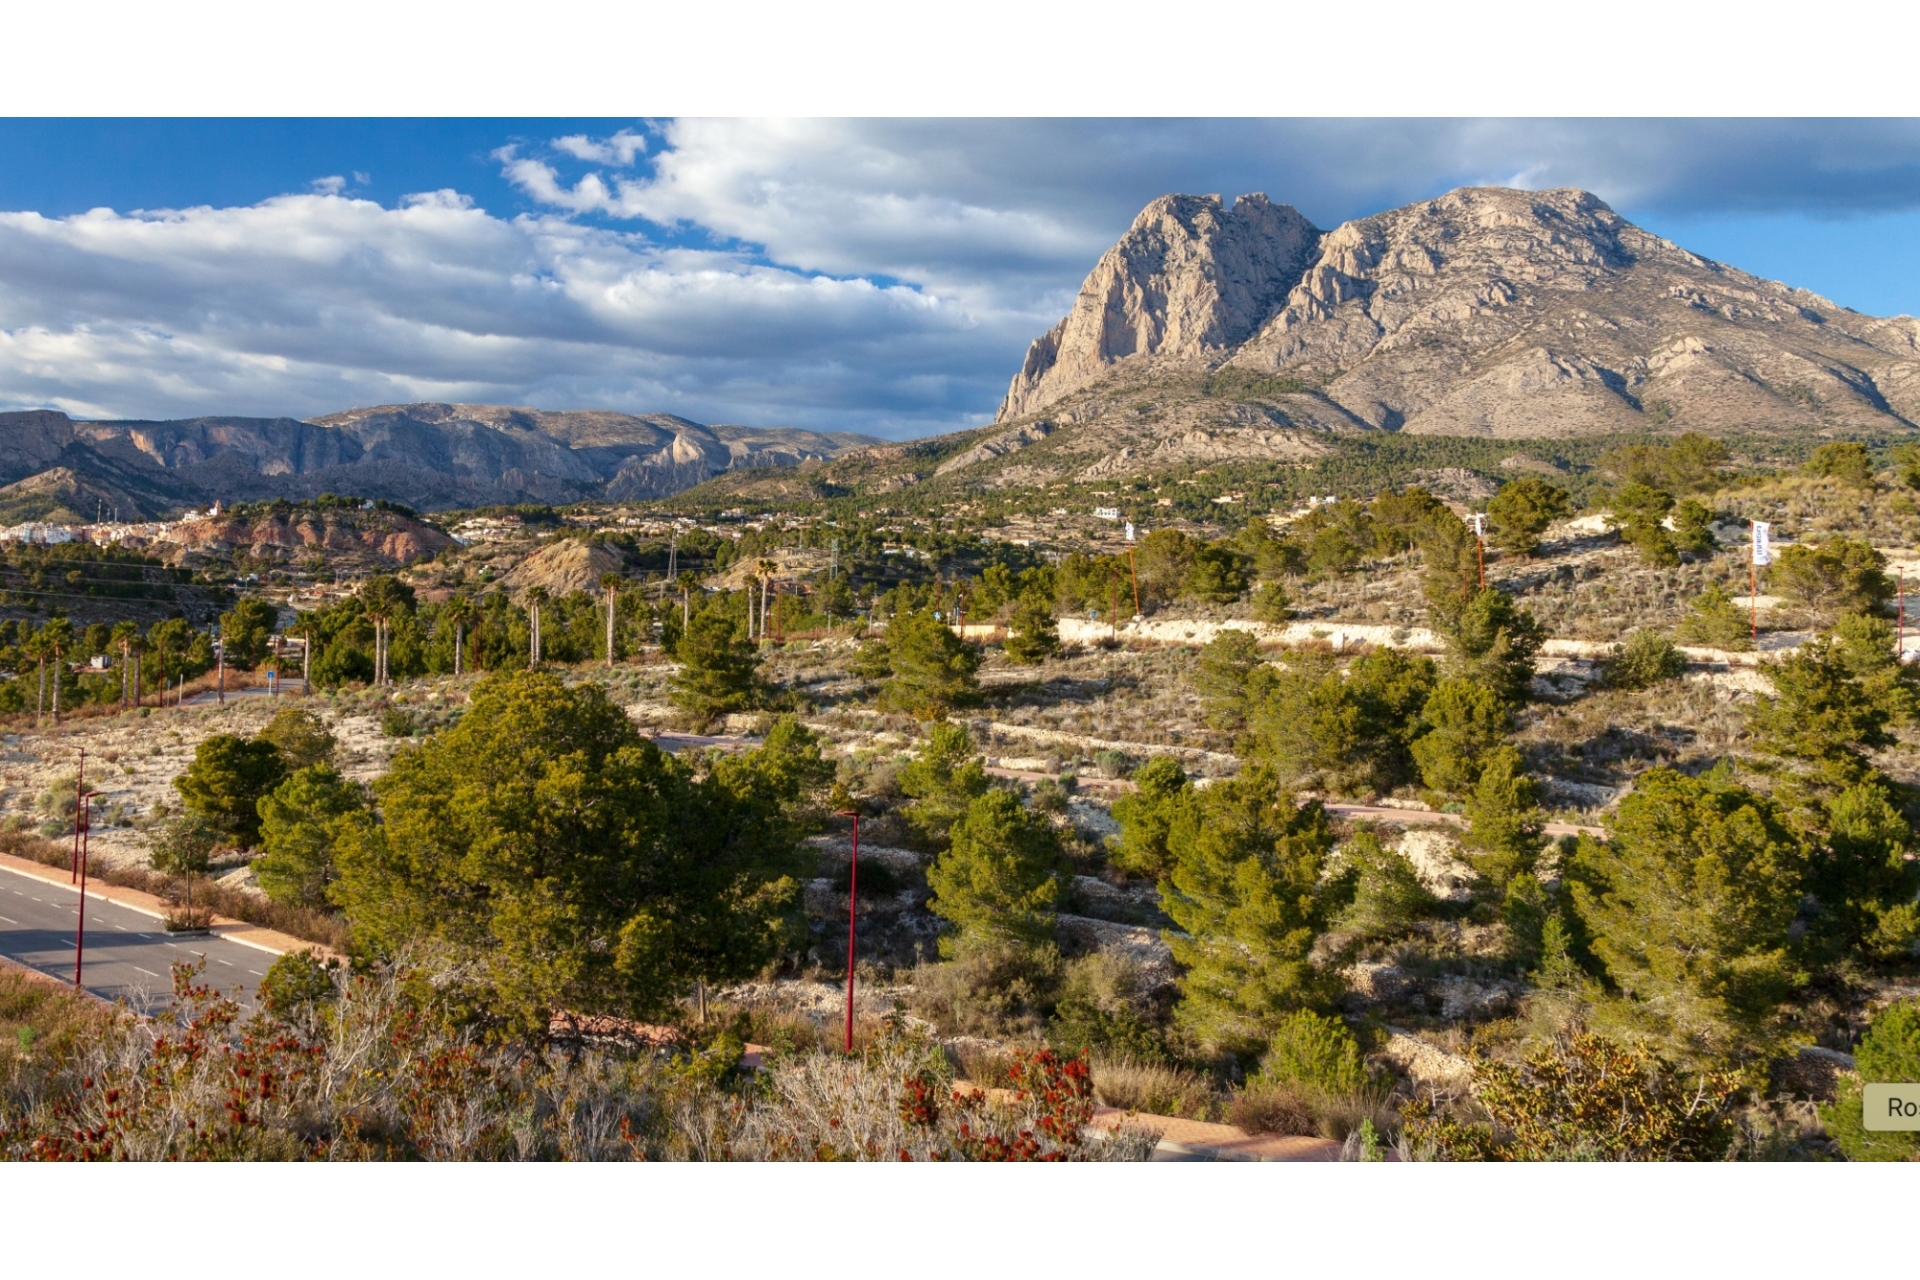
[[308, 303], [618, 150]]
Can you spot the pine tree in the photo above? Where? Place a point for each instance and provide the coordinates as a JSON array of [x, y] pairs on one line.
[[1819, 715], [299, 825], [1461, 722], [720, 669], [943, 780], [1503, 820], [1865, 878], [567, 862], [933, 670], [1689, 903], [1221, 680], [1388, 895], [1000, 877], [1033, 636], [1493, 641], [225, 782], [1888, 1054], [1147, 814], [1248, 893], [1522, 510]]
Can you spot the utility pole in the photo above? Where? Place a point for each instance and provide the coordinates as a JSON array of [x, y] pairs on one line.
[[612, 603], [1132, 572], [1480, 546], [1900, 632]]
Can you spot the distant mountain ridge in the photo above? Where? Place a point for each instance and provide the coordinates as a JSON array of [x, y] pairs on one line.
[[429, 456]]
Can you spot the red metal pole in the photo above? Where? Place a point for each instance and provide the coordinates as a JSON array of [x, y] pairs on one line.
[[1480, 553], [1135, 575], [80, 934], [79, 789], [853, 879]]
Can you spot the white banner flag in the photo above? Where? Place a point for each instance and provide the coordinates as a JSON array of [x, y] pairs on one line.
[[1129, 531], [1479, 526], [1762, 549]]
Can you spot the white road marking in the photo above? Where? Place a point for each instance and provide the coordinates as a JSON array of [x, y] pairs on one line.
[[9, 921], [150, 973], [256, 973], [218, 960]]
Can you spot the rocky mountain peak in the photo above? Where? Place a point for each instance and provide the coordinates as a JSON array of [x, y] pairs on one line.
[[1191, 279], [1484, 311]]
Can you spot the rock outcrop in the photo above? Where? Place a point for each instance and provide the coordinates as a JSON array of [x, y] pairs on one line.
[[1485, 312], [1191, 280]]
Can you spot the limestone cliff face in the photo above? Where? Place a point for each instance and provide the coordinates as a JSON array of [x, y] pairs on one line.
[[1486, 311], [1191, 280]]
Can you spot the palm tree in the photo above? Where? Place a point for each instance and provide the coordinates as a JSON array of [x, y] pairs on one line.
[[460, 612], [59, 638], [122, 637], [137, 647], [688, 581], [767, 569], [303, 627], [381, 598], [36, 648], [610, 583], [536, 596]]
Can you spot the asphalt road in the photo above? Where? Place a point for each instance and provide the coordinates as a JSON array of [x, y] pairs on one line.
[[129, 957]]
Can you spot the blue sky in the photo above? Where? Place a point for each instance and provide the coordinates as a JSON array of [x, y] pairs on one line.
[[878, 275]]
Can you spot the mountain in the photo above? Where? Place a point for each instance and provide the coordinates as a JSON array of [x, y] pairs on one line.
[[429, 456], [1215, 331]]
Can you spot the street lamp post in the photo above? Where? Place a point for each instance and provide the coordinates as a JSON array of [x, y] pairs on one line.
[[83, 823]]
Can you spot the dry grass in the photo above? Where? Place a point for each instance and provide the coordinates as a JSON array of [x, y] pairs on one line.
[[41, 1025], [1155, 1088], [1284, 1107]]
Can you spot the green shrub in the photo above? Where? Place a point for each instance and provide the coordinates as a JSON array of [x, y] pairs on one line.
[[1315, 1051], [1587, 1098], [1716, 622], [1888, 1054], [297, 984], [1646, 659], [1104, 1006], [1844, 460], [1522, 510], [1389, 898]]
